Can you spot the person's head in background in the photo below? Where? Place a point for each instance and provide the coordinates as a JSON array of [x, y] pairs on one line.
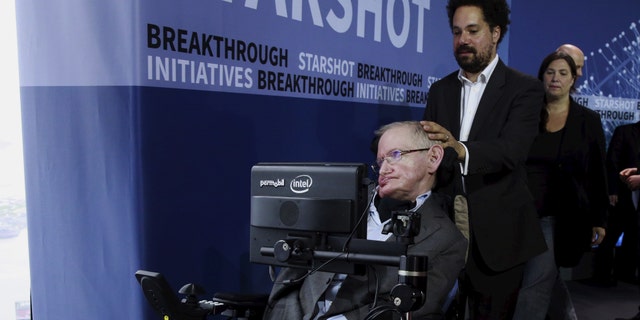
[[576, 54], [478, 26], [406, 160], [558, 73]]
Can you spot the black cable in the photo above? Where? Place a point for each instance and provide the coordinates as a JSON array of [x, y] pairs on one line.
[[375, 297], [365, 213], [378, 311]]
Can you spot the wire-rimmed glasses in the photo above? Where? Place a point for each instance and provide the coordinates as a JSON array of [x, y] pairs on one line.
[[393, 157]]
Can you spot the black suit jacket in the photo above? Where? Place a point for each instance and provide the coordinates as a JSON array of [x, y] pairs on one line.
[[623, 152], [578, 195], [438, 239], [582, 156], [503, 219]]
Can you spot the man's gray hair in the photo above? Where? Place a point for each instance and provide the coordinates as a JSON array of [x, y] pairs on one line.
[[420, 137]]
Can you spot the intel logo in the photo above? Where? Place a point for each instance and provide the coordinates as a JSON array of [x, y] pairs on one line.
[[301, 184]]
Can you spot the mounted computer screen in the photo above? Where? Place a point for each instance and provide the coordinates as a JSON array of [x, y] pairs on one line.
[[298, 209]]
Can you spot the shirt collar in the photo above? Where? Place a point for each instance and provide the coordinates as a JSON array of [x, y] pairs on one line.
[[484, 75], [421, 199]]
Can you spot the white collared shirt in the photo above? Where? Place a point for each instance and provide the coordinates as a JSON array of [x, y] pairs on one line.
[[470, 96]]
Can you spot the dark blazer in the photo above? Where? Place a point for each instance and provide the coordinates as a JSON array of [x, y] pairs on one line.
[[503, 219], [438, 239], [623, 152], [582, 155], [580, 184]]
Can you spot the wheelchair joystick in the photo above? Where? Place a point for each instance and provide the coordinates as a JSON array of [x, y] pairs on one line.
[[191, 292]]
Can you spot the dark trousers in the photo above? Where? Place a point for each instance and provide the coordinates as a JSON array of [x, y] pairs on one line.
[[618, 262], [491, 295]]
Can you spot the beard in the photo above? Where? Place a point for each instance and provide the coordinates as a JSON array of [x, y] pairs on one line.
[[474, 63]]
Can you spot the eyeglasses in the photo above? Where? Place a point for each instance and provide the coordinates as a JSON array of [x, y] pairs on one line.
[[393, 157]]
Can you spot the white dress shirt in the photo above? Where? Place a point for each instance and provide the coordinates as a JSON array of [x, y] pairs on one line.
[[470, 96]]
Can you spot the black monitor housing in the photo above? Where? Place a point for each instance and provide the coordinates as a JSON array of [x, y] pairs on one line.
[[313, 216]]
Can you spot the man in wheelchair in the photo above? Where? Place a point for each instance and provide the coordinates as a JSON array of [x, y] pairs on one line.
[[407, 162]]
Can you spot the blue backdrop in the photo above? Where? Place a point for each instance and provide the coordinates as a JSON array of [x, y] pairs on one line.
[[142, 120]]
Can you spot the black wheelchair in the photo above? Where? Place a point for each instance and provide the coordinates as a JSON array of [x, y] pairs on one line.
[[162, 298], [408, 295]]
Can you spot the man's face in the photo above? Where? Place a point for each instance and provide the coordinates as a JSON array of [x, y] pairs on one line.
[[403, 179], [576, 54], [578, 58], [474, 43]]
